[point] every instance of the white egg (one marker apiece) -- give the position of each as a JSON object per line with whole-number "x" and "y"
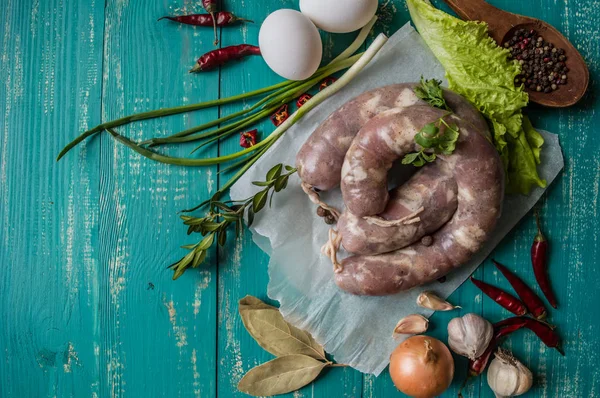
{"x": 339, "y": 16}
{"x": 290, "y": 44}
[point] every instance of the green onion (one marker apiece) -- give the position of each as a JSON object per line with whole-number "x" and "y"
{"x": 365, "y": 58}
{"x": 283, "y": 87}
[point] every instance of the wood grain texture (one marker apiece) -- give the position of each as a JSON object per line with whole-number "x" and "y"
{"x": 88, "y": 306}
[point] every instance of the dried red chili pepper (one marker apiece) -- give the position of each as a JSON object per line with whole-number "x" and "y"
{"x": 224, "y": 18}
{"x": 501, "y": 297}
{"x": 211, "y": 7}
{"x": 539, "y": 260}
{"x": 327, "y": 82}
{"x": 303, "y": 99}
{"x": 280, "y": 115}
{"x": 215, "y": 58}
{"x": 531, "y": 300}
{"x": 542, "y": 330}
{"x": 248, "y": 139}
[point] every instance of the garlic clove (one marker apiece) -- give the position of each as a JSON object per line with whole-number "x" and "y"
{"x": 470, "y": 335}
{"x": 411, "y": 324}
{"x": 434, "y": 302}
{"x": 507, "y": 376}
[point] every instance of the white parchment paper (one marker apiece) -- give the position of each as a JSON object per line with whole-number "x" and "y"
{"x": 356, "y": 330}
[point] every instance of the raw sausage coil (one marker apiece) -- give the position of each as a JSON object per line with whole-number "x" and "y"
{"x": 454, "y": 202}
{"x": 478, "y": 172}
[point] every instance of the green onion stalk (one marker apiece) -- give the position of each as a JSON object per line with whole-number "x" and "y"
{"x": 278, "y": 94}
{"x": 265, "y": 144}
{"x": 267, "y": 102}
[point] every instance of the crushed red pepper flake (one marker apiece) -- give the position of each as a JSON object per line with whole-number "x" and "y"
{"x": 248, "y": 139}
{"x": 280, "y": 115}
{"x": 327, "y": 82}
{"x": 303, "y": 99}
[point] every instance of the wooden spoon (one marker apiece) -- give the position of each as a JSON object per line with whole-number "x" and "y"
{"x": 502, "y": 24}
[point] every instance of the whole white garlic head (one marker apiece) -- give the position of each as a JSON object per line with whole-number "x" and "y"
{"x": 469, "y": 335}
{"x": 507, "y": 376}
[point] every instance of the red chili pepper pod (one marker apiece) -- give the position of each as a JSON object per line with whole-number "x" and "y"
{"x": 501, "y": 297}
{"x": 248, "y": 139}
{"x": 542, "y": 330}
{"x": 224, "y": 18}
{"x": 280, "y": 115}
{"x": 327, "y": 82}
{"x": 215, "y": 58}
{"x": 539, "y": 261}
{"x": 303, "y": 99}
{"x": 531, "y": 300}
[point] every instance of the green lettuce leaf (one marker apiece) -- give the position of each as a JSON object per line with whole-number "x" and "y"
{"x": 479, "y": 70}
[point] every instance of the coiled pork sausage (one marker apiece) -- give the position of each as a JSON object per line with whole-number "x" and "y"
{"x": 478, "y": 172}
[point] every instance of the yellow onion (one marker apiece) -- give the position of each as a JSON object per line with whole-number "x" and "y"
{"x": 422, "y": 367}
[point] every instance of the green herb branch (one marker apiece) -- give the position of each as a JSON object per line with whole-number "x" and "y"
{"x": 433, "y": 142}
{"x": 223, "y": 214}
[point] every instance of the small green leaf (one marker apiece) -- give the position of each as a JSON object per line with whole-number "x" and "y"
{"x": 190, "y": 247}
{"x": 199, "y": 258}
{"x": 290, "y": 168}
{"x": 410, "y": 158}
{"x": 230, "y": 217}
{"x": 431, "y": 92}
{"x": 275, "y": 172}
{"x": 260, "y": 200}
{"x": 281, "y": 183}
{"x": 179, "y": 271}
{"x": 427, "y": 137}
{"x": 419, "y": 162}
{"x": 250, "y": 217}
{"x": 281, "y": 375}
{"x": 428, "y": 157}
{"x": 222, "y": 237}
{"x": 206, "y": 242}
{"x": 211, "y": 226}
{"x": 261, "y": 183}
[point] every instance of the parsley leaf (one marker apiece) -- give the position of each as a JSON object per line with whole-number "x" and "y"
{"x": 431, "y": 92}
{"x": 432, "y": 143}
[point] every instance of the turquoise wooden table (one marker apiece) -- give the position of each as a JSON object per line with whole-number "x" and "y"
{"x": 87, "y": 306}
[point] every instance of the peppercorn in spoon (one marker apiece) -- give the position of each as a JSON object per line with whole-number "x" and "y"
{"x": 554, "y": 72}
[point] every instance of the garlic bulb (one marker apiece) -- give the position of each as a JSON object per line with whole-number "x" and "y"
{"x": 411, "y": 324}
{"x": 434, "y": 302}
{"x": 469, "y": 335}
{"x": 507, "y": 376}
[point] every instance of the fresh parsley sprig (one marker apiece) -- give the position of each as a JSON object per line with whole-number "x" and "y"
{"x": 433, "y": 142}
{"x": 431, "y": 92}
{"x": 221, "y": 215}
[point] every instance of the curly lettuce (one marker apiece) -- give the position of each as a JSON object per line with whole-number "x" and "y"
{"x": 479, "y": 70}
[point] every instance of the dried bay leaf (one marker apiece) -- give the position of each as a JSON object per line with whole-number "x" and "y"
{"x": 281, "y": 375}
{"x": 267, "y": 326}
{"x": 251, "y": 302}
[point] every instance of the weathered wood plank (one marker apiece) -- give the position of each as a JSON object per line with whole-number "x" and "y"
{"x": 159, "y": 336}
{"x": 243, "y": 267}
{"x": 50, "y": 69}
{"x": 83, "y": 239}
